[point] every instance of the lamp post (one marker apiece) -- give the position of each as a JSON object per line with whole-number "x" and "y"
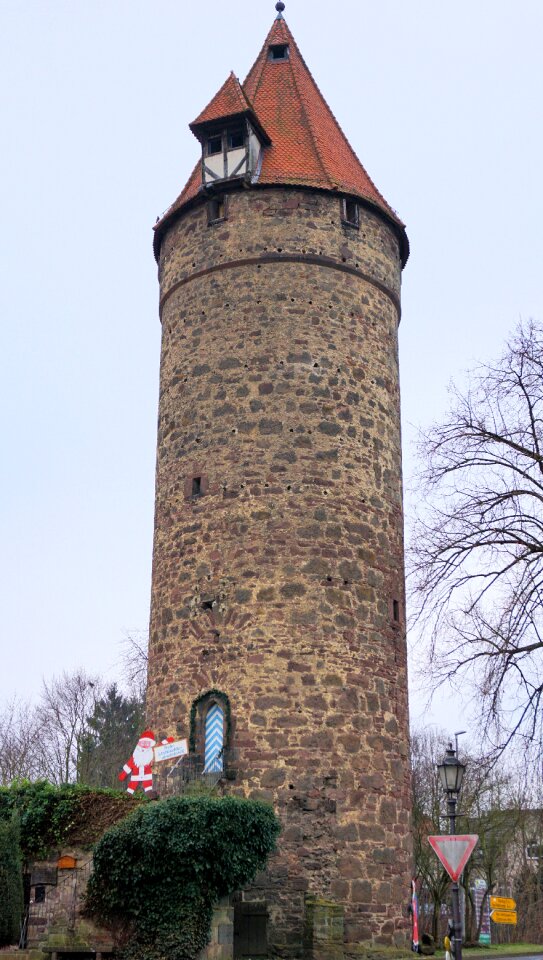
{"x": 451, "y": 774}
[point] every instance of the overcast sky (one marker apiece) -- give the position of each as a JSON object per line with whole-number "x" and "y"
{"x": 442, "y": 103}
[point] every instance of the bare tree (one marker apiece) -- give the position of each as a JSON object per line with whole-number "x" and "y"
{"x": 134, "y": 661}
{"x": 63, "y": 712}
{"x": 492, "y": 804}
{"x": 528, "y": 888}
{"x": 494, "y": 807}
{"x": 427, "y": 749}
{"x": 477, "y": 559}
{"x": 62, "y": 738}
{"x": 21, "y": 744}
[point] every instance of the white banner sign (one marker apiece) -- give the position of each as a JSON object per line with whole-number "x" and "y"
{"x": 168, "y": 751}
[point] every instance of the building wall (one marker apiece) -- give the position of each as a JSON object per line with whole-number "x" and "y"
{"x": 57, "y": 920}
{"x": 283, "y": 584}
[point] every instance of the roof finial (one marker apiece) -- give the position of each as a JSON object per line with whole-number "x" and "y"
{"x": 279, "y": 6}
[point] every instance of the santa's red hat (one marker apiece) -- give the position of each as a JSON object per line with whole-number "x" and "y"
{"x": 148, "y": 735}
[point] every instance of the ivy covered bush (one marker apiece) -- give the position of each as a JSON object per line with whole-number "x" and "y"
{"x": 11, "y": 882}
{"x": 51, "y": 816}
{"x": 158, "y": 873}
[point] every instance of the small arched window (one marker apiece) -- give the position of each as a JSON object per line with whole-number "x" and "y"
{"x": 210, "y": 731}
{"x": 214, "y": 739}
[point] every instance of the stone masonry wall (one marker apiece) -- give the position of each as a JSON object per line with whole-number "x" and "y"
{"x": 58, "y": 922}
{"x": 279, "y": 389}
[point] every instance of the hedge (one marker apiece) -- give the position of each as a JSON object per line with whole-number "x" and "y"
{"x": 158, "y": 873}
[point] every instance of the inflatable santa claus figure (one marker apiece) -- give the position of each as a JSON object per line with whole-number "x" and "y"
{"x": 139, "y": 767}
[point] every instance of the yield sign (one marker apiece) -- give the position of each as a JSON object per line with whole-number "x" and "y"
{"x": 454, "y": 851}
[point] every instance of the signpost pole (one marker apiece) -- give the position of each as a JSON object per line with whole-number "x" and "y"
{"x": 457, "y": 919}
{"x": 454, "y": 852}
{"x": 451, "y": 775}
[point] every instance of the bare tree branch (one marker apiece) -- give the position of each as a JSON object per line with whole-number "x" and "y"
{"x": 66, "y": 703}
{"x": 135, "y": 661}
{"x": 21, "y": 744}
{"x": 477, "y": 558}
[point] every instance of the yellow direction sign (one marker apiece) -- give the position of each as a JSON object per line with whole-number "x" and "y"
{"x": 504, "y": 916}
{"x": 502, "y": 903}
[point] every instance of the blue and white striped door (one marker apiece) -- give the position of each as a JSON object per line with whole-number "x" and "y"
{"x": 214, "y": 739}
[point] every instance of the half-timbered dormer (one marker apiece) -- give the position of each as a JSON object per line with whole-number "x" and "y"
{"x": 231, "y": 135}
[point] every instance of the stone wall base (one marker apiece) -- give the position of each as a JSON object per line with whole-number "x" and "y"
{"x": 221, "y": 944}
{"x": 323, "y": 929}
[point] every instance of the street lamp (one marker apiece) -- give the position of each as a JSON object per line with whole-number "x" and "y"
{"x": 451, "y": 774}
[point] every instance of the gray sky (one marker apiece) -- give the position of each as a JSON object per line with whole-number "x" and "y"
{"x": 442, "y": 103}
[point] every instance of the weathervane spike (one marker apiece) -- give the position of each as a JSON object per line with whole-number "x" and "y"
{"x": 279, "y": 6}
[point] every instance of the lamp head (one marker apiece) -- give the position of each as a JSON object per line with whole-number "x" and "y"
{"x": 451, "y": 772}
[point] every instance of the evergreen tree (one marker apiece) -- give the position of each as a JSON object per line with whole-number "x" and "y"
{"x": 113, "y": 730}
{"x": 11, "y": 882}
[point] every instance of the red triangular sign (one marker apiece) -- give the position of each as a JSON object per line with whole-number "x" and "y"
{"x": 454, "y": 851}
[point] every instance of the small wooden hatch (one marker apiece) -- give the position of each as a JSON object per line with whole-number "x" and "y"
{"x": 66, "y": 863}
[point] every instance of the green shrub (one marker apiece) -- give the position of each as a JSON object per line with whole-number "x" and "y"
{"x": 45, "y": 813}
{"x": 11, "y": 881}
{"x": 158, "y": 873}
{"x": 52, "y": 816}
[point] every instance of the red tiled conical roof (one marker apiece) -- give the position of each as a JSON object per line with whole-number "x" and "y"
{"x": 308, "y": 147}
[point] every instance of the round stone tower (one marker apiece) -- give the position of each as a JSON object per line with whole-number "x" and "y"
{"x": 277, "y": 626}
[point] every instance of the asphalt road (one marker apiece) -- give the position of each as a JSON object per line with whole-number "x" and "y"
{"x": 471, "y": 955}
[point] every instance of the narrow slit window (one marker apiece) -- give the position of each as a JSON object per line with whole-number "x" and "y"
{"x": 214, "y": 145}
{"x": 351, "y": 212}
{"x": 216, "y": 210}
{"x": 39, "y": 896}
{"x": 196, "y": 487}
{"x": 396, "y": 611}
{"x": 279, "y": 51}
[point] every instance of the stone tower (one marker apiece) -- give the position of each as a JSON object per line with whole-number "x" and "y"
{"x": 277, "y": 622}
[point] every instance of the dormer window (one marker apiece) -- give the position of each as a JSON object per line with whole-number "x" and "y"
{"x": 226, "y": 153}
{"x": 214, "y": 145}
{"x": 236, "y": 139}
{"x": 232, "y": 137}
{"x": 278, "y": 51}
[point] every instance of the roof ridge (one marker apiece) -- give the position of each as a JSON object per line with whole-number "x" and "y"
{"x": 306, "y": 112}
{"x": 233, "y": 87}
{"x": 244, "y": 95}
{"x": 259, "y": 60}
